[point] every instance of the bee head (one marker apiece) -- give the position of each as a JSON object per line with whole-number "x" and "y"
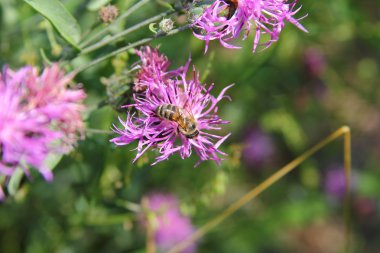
{"x": 192, "y": 126}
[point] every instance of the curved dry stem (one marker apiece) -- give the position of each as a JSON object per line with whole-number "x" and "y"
{"x": 343, "y": 131}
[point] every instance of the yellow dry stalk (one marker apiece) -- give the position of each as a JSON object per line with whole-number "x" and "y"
{"x": 342, "y": 131}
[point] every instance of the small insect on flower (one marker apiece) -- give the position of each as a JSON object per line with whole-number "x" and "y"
{"x": 232, "y": 6}
{"x": 227, "y": 20}
{"x": 187, "y": 125}
{"x": 173, "y": 115}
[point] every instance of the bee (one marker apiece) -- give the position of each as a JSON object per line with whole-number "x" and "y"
{"x": 232, "y": 6}
{"x": 187, "y": 124}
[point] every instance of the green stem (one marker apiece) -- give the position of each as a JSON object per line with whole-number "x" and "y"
{"x": 102, "y": 32}
{"x": 97, "y": 131}
{"x": 132, "y": 45}
{"x": 125, "y": 32}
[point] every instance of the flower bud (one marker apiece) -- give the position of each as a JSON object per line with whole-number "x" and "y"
{"x": 166, "y": 25}
{"x": 108, "y": 13}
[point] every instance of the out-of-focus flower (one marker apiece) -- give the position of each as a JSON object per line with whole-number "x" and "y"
{"x": 38, "y": 115}
{"x": 315, "y": 62}
{"x": 224, "y": 20}
{"x": 364, "y": 208}
{"x": 167, "y": 110}
{"x": 108, "y": 13}
{"x": 258, "y": 148}
{"x": 335, "y": 182}
{"x": 170, "y": 227}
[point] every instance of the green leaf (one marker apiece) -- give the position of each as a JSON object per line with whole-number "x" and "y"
{"x": 152, "y": 28}
{"x": 14, "y": 182}
{"x": 95, "y": 5}
{"x": 52, "y": 160}
{"x": 60, "y": 17}
{"x": 44, "y": 57}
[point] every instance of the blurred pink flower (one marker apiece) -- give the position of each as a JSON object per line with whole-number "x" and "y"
{"x": 226, "y": 19}
{"x": 197, "y": 109}
{"x": 335, "y": 182}
{"x": 315, "y": 62}
{"x": 259, "y": 148}
{"x": 171, "y": 227}
{"x": 38, "y": 115}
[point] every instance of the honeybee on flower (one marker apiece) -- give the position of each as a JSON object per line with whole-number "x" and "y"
{"x": 224, "y": 20}
{"x": 172, "y": 108}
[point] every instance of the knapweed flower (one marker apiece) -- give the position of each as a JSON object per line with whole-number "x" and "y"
{"x": 152, "y": 69}
{"x": 224, "y": 20}
{"x": 174, "y": 115}
{"x": 169, "y": 226}
{"x": 38, "y": 115}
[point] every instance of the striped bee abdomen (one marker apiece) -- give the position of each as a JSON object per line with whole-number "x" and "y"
{"x": 186, "y": 122}
{"x": 168, "y": 111}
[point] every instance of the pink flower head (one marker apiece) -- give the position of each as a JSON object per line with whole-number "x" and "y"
{"x": 152, "y": 69}
{"x": 196, "y": 109}
{"x": 38, "y": 115}
{"x": 226, "y": 19}
{"x": 171, "y": 227}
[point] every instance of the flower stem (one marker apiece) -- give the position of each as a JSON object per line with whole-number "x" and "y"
{"x": 97, "y": 131}
{"x": 125, "y": 32}
{"x": 102, "y": 32}
{"x": 343, "y": 131}
{"x": 129, "y": 46}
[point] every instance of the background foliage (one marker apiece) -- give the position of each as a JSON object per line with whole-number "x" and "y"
{"x": 295, "y": 93}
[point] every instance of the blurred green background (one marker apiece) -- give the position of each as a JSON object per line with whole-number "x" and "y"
{"x": 286, "y": 99}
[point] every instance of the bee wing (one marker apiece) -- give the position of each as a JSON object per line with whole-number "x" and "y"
{"x": 181, "y": 118}
{"x": 189, "y": 114}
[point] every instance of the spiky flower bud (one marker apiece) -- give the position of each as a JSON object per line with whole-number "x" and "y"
{"x": 166, "y": 25}
{"x": 107, "y": 14}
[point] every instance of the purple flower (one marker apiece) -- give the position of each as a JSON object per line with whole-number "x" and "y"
{"x": 258, "y": 148}
{"x": 38, "y": 115}
{"x": 226, "y": 19}
{"x": 166, "y": 110}
{"x": 152, "y": 69}
{"x": 335, "y": 182}
{"x": 170, "y": 226}
{"x": 315, "y": 62}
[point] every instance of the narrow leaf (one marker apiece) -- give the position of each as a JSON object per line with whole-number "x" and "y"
{"x": 52, "y": 160}
{"x": 14, "y": 182}
{"x": 95, "y": 5}
{"x": 60, "y": 17}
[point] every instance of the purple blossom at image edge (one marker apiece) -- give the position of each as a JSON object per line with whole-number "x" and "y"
{"x": 262, "y": 16}
{"x": 39, "y": 115}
